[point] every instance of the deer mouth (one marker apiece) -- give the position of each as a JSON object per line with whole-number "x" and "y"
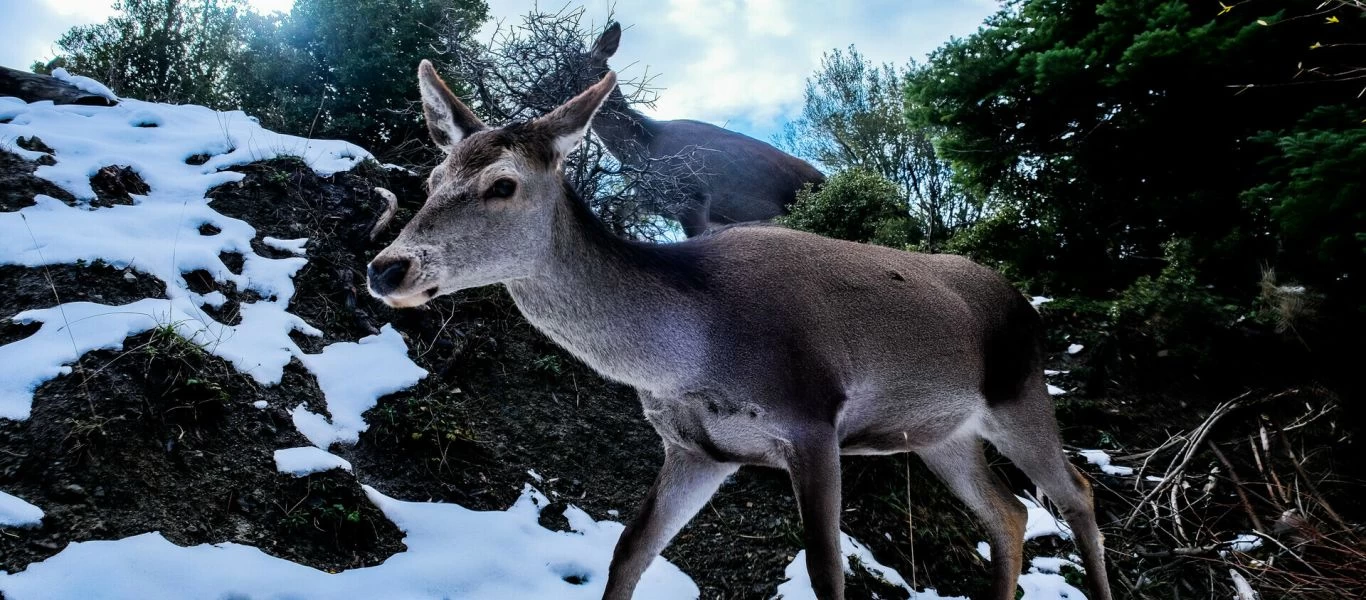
{"x": 411, "y": 300}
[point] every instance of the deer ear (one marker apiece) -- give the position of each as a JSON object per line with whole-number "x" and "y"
{"x": 608, "y": 42}
{"x": 448, "y": 119}
{"x": 569, "y": 123}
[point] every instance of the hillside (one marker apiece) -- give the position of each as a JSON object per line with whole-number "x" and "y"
{"x": 199, "y": 399}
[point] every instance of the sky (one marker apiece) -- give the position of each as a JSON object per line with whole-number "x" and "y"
{"x": 741, "y": 64}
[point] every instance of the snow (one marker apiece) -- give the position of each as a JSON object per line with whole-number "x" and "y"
{"x": 382, "y": 358}
{"x": 1047, "y": 586}
{"x": 1043, "y": 581}
{"x": 1102, "y": 460}
{"x": 1245, "y": 542}
{"x": 1037, "y": 301}
{"x": 1051, "y": 372}
{"x": 291, "y": 246}
{"x": 1054, "y": 390}
{"x": 1042, "y": 523}
{"x": 14, "y": 512}
{"x": 260, "y": 404}
{"x": 798, "y": 583}
{"x": 534, "y": 475}
{"x": 158, "y": 235}
{"x": 85, "y": 84}
{"x": 1074, "y": 348}
{"x": 452, "y": 552}
{"x": 308, "y": 460}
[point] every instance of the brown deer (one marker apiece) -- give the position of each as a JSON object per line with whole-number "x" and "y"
{"x": 752, "y": 345}
{"x": 729, "y": 177}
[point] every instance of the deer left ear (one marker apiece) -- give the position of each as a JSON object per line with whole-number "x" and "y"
{"x": 569, "y": 123}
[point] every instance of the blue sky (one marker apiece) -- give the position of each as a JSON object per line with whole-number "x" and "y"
{"x": 737, "y": 63}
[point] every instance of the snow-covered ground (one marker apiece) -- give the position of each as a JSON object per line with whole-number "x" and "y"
{"x": 308, "y": 460}
{"x": 451, "y": 551}
{"x": 14, "y": 512}
{"x": 1101, "y": 459}
{"x": 1043, "y": 580}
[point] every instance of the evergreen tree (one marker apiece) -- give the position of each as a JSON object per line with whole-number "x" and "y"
{"x": 1107, "y": 129}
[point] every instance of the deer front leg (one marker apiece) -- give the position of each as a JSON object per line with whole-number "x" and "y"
{"x": 684, "y": 484}
{"x": 814, "y": 466}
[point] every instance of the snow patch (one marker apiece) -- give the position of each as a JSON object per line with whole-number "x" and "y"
{"x": 1074, "y": 348}
{"x": 1054, "y": 390}
{"x": 158, "y": 235}
{"x": 1102, "y": 460}
{"x": 1245, "y": 542}
{"x": 85, "y": 84}
{"x": 308, "y": 460}
{"x": 353, "y": 376}
{"x": 1041, "y": 522}
{"x": 1037, "y": 301}
{"x": 17, "y": 513}
{"x": 452, "y": 552}
{"x": 798, "y": 583}
{"x": 291, "y": 246}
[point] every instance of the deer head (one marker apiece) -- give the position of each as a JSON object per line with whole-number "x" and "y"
{"x": 578, "y": 68}
{"x": 490, "y": 204}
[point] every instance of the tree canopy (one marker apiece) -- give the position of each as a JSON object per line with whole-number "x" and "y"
{"x": 333, "y": 68}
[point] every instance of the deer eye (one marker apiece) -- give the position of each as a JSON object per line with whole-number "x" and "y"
{"x": 503, "y": 188}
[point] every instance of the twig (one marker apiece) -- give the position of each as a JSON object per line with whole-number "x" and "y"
{"x": 1238, "y": 487}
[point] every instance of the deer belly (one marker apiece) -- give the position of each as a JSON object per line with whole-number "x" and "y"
{"x": 714, "y": 426}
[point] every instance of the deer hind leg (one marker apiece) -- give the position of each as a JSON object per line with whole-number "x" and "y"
{"x": 683, "y": 486}
{"x": 1026, "y": 432}
{"x": 961, "y": 465}
{"x": 813, "y": 463}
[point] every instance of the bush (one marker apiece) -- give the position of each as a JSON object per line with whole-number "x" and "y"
{"x": 855, "y": 205}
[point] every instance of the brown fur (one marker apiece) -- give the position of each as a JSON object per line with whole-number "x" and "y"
{"x": 753, "y": 346}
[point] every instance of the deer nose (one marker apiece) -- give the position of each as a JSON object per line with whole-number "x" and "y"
{"x": 386, "y": 274}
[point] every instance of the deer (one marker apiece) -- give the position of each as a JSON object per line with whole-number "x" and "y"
{"x": 727, "y": 177}
{"x": 751, "y": 345}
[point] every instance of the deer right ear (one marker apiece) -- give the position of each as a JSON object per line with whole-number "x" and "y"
{"x": 448, "y": 119}
{"x": 608, "y": 42}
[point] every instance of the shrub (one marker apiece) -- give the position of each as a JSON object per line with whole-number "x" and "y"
{"x": 855, "y": 205}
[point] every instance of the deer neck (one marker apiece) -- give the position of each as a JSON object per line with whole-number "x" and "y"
{"x": 630, "y": 311}
{"x": 625, "y": 131}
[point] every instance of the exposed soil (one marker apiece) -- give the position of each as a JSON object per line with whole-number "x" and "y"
{"x": 25, "y": 288}
{"x": 18, "y": 184}
{"x": 162, "y": 436}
